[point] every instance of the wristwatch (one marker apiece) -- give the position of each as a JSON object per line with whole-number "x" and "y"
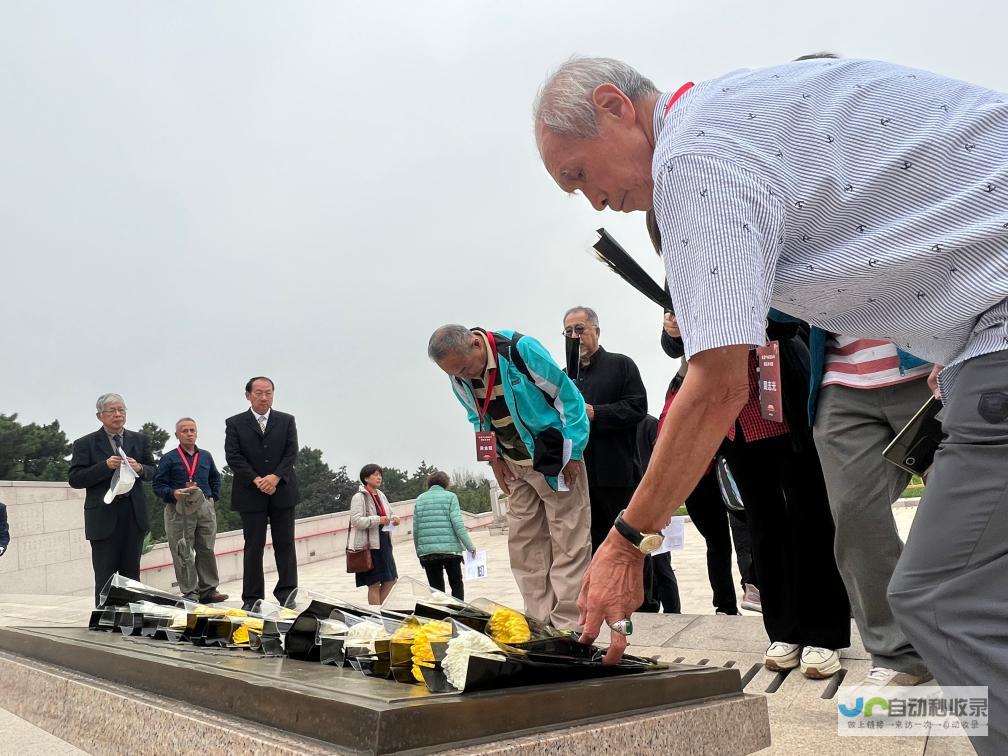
{"x": 647, "y": 543}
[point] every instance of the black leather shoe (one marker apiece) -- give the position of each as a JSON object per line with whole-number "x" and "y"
{"x": 214, "y": 597}
{"x": 247, "y": 606}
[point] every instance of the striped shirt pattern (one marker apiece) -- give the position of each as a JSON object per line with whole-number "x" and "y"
{"x": 865, "y": 363}
{"x": 862, "y": 197}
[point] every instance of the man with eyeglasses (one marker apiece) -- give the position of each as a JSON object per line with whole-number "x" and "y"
{"x": 116, "y": 530}
{"x": 616, "y": 402}
{"x": 261, "y": 447}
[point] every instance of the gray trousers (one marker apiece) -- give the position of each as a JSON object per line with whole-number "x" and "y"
{"x": 950, "y": 589}
{"x": 191, "y": 543}
{"x": 852, "y": 428}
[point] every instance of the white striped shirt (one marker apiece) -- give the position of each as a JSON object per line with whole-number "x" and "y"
{"x": 865, "y": 363}
{"x": 862, "y": 197}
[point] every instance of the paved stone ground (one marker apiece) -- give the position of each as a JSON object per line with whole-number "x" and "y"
{"x": 802, "y": 719}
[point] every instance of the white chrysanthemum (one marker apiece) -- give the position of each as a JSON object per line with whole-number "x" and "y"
{"x": 332, "y": 628}
{"x": 460, "y": 648}
{"x": 365, "y": 634}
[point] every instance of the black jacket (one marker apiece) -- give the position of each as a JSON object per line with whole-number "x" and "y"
{"x": 89, "y": 471}
{"x": 251, "y": 454}
{"x": 611, "y": 383}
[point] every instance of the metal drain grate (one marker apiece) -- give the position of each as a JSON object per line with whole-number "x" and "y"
{"x": 834, "y": 684}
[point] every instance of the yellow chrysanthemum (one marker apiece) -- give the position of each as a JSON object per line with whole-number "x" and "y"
{"x": 508, "y": 626}
{"x": 240, "y": 634}
{"x": 436, "y": 631}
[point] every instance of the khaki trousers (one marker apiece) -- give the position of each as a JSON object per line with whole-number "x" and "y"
{"x": 549, "y": 541}
{"x": 191, "y": 543}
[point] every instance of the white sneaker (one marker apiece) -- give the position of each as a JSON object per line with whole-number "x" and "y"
{"x": 781, "y": 656}
{"x": 885, "y": 677}
{"x": 751, "y": 599}
{"x": 819, "y": 663}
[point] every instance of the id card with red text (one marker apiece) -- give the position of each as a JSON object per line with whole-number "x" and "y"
{"x": 768, "y": 363}
{"x": 486, "y": 446}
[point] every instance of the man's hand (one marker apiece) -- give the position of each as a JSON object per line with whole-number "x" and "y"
{"x": 267, "y": 484}
{"x": 502, "y": 474}
{"x": 671, "y": 325}
{"x": 571, "y": 471}
{"x": 612, "y": 589}
{"x": 933, "y": 381}
{"x": 182, "y": 493}
{"x": 113, "y": 462}
{"x": 591, "y": 411}
{"x": 137, "y": 467}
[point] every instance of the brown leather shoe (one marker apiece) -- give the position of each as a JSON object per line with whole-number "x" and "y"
{"x": 214, "y": 597}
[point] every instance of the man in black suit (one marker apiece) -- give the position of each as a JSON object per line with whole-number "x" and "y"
{"x": 116, "y": 531}
{"x": 261, "y": 446}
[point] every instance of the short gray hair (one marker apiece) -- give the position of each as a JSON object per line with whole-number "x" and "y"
{"x": 448, "y": 339}
{"x": 182, "y": 420}
{"x": 106, "y": 399}
{"x": 564, "y": 103}
{"x": 588, "y": 311}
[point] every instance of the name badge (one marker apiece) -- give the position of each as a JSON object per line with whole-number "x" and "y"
{"x": 768, "y": 364}
{"x": 486, "y": 446}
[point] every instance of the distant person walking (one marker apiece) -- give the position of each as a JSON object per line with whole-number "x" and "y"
{"x": 440, "y": 536}
{"x": 4, "y": 529}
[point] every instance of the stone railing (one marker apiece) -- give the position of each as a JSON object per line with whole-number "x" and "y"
{"x": 49, "y": 555}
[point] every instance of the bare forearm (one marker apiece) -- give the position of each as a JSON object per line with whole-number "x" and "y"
{"x": 694, "y": 427}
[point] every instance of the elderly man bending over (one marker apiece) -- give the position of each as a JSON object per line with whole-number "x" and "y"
{"x": 532, "y": 428}
{"x": 863, "y": 198}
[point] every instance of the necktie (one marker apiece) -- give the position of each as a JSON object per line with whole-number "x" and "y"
{"x": 262, "y": 424}
{"x": 118, "y": 442}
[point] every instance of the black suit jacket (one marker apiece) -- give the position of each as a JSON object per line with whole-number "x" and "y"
{"x": 251, "y": 454}
{"x": 611, "y": 383}
{"x": 89, "y": 471}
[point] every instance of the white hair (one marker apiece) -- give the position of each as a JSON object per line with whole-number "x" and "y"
{"x": 449, "y": 339}
{"x": 564, "y": 103}
{"x": 106, "y": 399}
{"x": 183, "y": 420}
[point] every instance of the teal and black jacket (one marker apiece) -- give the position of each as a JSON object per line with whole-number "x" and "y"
{"x": 547, "y": 408}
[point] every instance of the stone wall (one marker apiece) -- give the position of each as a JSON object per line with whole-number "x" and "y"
{"x": 49, "y": 555}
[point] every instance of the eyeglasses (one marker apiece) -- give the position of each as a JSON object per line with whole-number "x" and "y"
{"x": 114, "y": 411}
{"x": 577, "y": 330}
{"x": 262, "y": 394}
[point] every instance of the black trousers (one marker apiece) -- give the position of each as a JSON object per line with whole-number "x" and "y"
{"x": 660, "y": 584}
{"x": 120, "y": 552}
{"x": 606, "y": 504}
{"x": 743, "y": 548}
{"x": 787, "y": 509}
{"x": 708, "y": 513}
{"x": 281, "y": 525}
{"x": 437, "y": 567}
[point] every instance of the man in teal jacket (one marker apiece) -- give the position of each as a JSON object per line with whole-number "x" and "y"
{"x": 532, "y": 428}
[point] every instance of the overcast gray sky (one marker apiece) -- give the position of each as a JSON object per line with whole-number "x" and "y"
{"x": 195, "y": 192}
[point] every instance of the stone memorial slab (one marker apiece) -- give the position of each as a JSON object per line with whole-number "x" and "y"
{"x": 351, "y": 711}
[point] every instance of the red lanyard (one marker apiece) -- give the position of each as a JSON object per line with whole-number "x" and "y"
{"x": 481, "y": 411}
{"x": 195, "y": 461}
{"x": 678, "y": 93}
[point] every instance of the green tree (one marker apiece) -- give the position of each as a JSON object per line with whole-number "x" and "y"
{"x": 227, "y": 519}
{"x": 32, "y": 451}
{"x": 158, "y": 437}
